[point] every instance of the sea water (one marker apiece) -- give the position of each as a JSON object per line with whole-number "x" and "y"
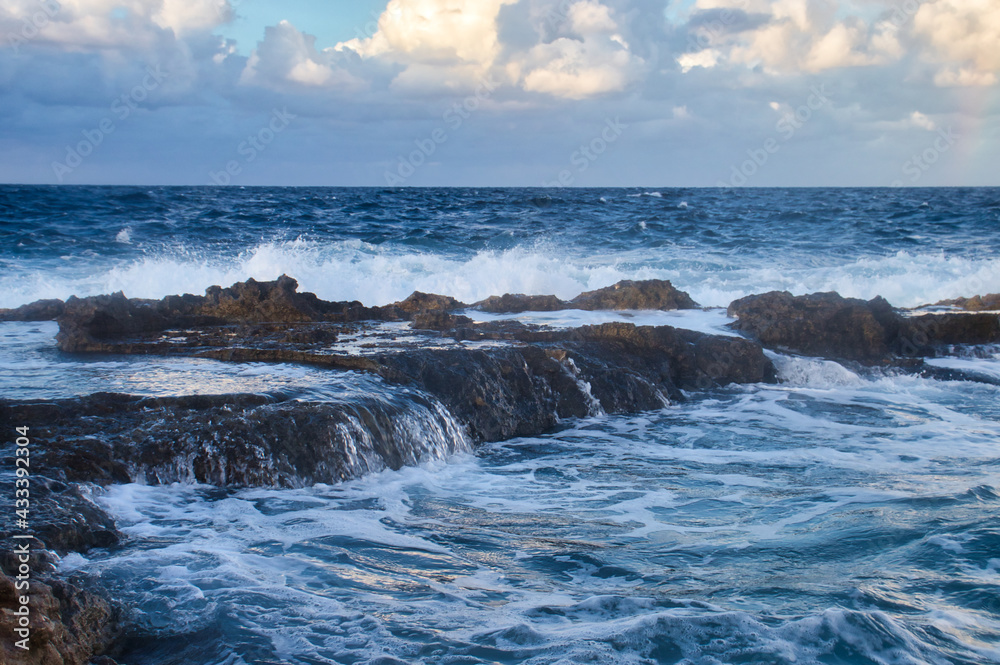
{"x": 842, "y": 516}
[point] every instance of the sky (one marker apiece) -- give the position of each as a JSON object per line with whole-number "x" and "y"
{"x": 645, "y": 93}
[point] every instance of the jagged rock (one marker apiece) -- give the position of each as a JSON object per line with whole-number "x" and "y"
{"x": 829, "y": 325}
{"x": 92, "y": 324}
{"x": 648, "y": 294}
{"x": 40, "y": 310}
{"x": 69, "y": 625}
{"x": 516, "y": 303}
{"x": 253, "y": 301}
{"x": 423, "y": 302}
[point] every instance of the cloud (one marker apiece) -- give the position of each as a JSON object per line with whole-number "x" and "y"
{"x": 289, "y": 57}
{"x": 434, "y": 32}
{"x": 966, "y": 35}
{"x": 111, "y": 24}
{"x": 786, "y": 37}
{"x": 920, "y": 120}
{"x": 573, "y": 50}
{"x": 592, "y": 59}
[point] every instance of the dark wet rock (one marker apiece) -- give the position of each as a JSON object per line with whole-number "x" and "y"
{"x": 69, "y": 624}
{"x": 648, "y": 294}
{"x": 511, "y": 303}
{"x": 225, "y": 440}
{"x": 66, "y": 518}
{"x": 928, "y": 334}
{"x": 517, "y": 388}
{"x": 988, "y": 302}
{"x": 820, "y": 324}
{"x": 831, "y": 326}
{"x": 40, "y": 310}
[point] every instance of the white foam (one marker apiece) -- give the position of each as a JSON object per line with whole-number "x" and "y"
{"x": 710, "y": 321}
{"x": 376, "y": 275}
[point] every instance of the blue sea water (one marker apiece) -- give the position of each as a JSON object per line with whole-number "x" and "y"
{"x": 842, "y": 516}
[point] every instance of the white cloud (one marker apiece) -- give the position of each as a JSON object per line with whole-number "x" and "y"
{"x": 965, "y": 33}
{"x": 451, "y": 45}
{"x": 112, "y": 24}
{"x": 434, "y": 31}
{"x": 707, "y": 58}
{"x": 796, "y": 36}
{"x": 920, "y": 120}
{"x": 288, "y": 56}
{"x": 593, "y": 59}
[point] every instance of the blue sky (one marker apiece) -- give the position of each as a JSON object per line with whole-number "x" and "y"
{"x": 332, "y": 21}
{"x": 500, "y": 92}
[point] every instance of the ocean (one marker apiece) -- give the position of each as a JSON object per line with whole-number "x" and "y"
{"x": 843, "y": 516}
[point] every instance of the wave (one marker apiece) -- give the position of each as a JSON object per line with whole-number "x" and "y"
{"x": 379, "y": 274}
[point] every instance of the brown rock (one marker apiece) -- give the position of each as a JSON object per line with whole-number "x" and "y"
{"x": 423, "y": 302}
{"x": 648, "y": 294}
{"x": 828, "y": 325}
{"x": 510, "y": 303}
{"x": 69, "y": 626}
{"x": 989, "y": 302}
{"x": 40, "y": 310}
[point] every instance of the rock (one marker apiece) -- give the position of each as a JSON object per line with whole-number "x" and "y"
{"x": 989, "y": 302}
{"x": 423, "y": 302}
{"x": 69, "y": 625}
{"x": 40, "y": 310}
{"x": 821, "y": 324}
{"x": 517, "y": 303}
{"x": 225, "y": 440}
{"x": 261, "y": 302}
{"x": 648, "y": 294}
{"x": 66, "y": 519}
{"x": 94, "y": 324}
{"x": 926, "y": 334}
{"x": 438, "y": 320}
{"x": 871, "y": 332}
